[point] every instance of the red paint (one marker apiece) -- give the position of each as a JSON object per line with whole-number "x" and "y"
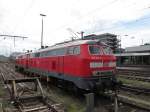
{"x": 75, "y": 65}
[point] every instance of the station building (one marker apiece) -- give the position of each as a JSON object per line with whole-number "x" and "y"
{"x": 108, "y": 38}
{"x": 137, "y": 55}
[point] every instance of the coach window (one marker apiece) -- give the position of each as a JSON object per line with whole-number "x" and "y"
{"x": 37, "y": 54}
{"x": 70, "y": 50}
{"x": 49, "y": 53}
{"x": 60, "y": 51}
{"x": 32, "y": 55}
{"x": 53, "y": 52}
{"x": 43, "y": 54}
{"x": 76, "y": 50}
{"x": 63, "y": 51}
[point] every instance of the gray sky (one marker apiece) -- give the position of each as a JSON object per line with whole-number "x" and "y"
{"x": 22, "y": 17}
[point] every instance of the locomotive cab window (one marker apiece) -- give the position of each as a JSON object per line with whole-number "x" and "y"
{"x": 107, "y": 50}
{"x": 70, "y": 50}
{"x": 37, "y": 54}
{"x": 95, "y": 49}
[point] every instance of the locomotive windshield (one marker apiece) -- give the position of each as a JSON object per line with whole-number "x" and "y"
{"x": 94, "y": 49}
{"x": 107, "y": 50}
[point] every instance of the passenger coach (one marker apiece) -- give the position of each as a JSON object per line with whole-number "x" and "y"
{"x": 84, "y": 64}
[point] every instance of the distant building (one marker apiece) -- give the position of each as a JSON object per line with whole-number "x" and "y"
{"x": 136, "y": 55}
{"x": 108, "y": 38}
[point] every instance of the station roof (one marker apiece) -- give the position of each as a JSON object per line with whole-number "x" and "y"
{"x": 142, "y": 48}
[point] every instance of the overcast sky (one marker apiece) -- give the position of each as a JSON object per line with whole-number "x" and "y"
{"x": 121, "y": 17}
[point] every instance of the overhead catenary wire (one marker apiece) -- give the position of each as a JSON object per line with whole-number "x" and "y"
{"x": 122, "y": 23}
{"x": 135, "y": 21}
{"x": 13, "y": 36}
{"x": 24, "y": 14}
{"x": 17, "y": 24}
{"x": 99, "y": 9}
{"x": 87, "y": 14}
{"x": 93, "y": 11}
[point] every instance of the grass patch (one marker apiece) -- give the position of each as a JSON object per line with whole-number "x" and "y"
{"x": 71, "y": 103}
{"x": 5, "y": 104}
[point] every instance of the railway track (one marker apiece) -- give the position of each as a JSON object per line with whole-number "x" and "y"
{"x": 139, "y": 78}
{"x": 137, "y": 90}
{"x": 132, "y": 72}
{"x": 131, "y": 94}
{"x": 126, "y": 100}
{"x": 26, "y": 93}
{"x": 122, "y": 98}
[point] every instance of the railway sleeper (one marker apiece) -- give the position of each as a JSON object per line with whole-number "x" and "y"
{"x": 18, "y": 98}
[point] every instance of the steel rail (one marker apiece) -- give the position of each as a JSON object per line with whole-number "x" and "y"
{"x": 9, "y": 75}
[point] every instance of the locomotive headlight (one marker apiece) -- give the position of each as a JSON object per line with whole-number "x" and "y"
{"x": 96, "y": 64}
{"x": 112, "y": 64}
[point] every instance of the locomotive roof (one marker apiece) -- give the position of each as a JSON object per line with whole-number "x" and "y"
{"x": 67, "y": 44}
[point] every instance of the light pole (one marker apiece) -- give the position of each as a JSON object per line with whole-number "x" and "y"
{"x": 120, "y": 42}
{"x": 42, "y": 15}
{"x": 120, "y": 48}
{"x": 131, "y": 37}
{"x": 120, "y": 36}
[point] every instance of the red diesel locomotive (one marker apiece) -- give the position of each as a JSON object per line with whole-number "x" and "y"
{"x": 85, "y": 64}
